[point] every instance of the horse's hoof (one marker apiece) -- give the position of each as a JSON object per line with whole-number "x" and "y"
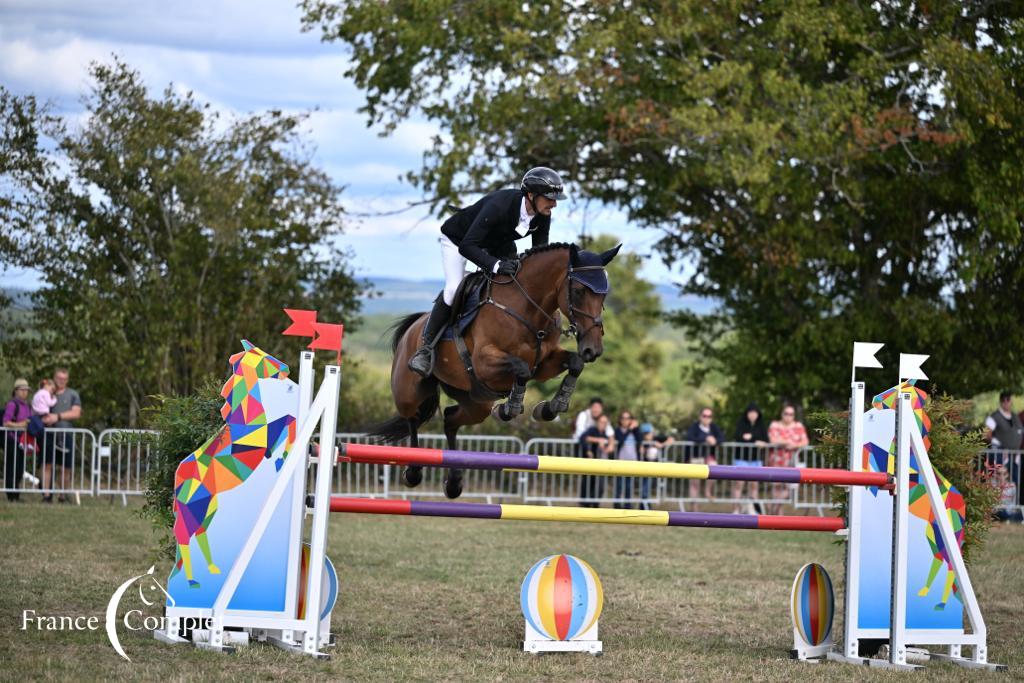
{"x": 193, "y": 584}
{"x": 412, "y": 476}
{"x": 503, "y": 412}
{"x": 214, "y": 569}
{"x": 543, "y": 412}
{"x": 453, "y": 486}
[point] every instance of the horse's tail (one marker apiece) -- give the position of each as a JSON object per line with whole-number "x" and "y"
{"x": 397, "y": 428}
{"x": 400, "y": 327}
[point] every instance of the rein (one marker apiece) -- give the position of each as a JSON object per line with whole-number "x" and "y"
{"x": 540, "y": 335}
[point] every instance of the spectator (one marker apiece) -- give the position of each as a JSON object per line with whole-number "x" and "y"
{"x": 596, "y": 442}
{"x": 652, "y": 445}
{"x": 789, "y": 436}
{"x": 16, "y": 414}
{"x": 753, "y": 435}
{"x": 628, "y": 444}
{"x": 59, "y": 447}
{"x": 1003, "y": 427}
{"x": 587, "y": 417}
{"x": 1008, "y": 509}
{"x": 1003, "y": 431}
{"x": 705, "y": 436}
{"x": 44, "y": 399}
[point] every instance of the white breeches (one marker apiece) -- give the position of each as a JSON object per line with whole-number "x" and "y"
{"x": 454, "y": 265}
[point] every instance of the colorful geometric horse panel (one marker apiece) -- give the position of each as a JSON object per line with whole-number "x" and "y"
{"x": 928, "y": 553}
{"x": 259, "y": 415}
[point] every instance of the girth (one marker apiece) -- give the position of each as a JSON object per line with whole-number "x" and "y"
{"x": 478, "y": 388}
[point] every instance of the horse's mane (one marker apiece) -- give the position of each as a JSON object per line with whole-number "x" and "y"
{"x": 543, "y": 248}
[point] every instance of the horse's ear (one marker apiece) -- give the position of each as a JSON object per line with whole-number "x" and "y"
{"x": 248, "y": 345}
{"x": 607, "y": 256}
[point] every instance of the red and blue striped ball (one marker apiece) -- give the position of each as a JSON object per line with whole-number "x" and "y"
{"x": 813, "y": 603}
{"x": 561, "y": 597}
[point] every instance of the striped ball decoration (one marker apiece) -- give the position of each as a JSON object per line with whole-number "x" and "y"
{"x": 813, "y": 605}
{"x": 561, "y": 597}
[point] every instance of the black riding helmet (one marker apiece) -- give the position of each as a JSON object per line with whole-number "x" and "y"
{"x": 544, "y": 182}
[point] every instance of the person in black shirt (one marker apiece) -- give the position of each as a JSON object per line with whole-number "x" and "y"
{"x": 596, "y": 443}
{"x": 753, "y": 434}
{"x": 485, "y": 234}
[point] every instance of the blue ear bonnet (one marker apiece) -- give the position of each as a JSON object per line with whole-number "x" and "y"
{"x": 588, "y": 270}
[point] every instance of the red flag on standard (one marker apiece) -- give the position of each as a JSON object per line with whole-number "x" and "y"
{"x": 328, "y": 337}
{"x": 303, "y": 323}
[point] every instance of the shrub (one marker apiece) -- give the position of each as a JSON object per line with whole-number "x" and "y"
{"x": 953, "y": 452}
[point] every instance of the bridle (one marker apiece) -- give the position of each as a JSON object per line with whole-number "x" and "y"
{"x": 540, "y": 335}
{"x": 597, "y": 320}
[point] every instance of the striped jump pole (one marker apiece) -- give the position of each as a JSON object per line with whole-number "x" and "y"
{"x": 482, "y": 460}
{"x": 537, "y": 513}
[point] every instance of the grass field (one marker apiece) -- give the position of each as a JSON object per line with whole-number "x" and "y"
{"x": 437, "y": 599}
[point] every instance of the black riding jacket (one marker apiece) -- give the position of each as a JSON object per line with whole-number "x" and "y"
{"x": 485, "y": 232}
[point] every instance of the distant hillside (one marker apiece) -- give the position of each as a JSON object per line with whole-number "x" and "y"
{"x": 394, "y": 296}
{"x": 20, "y": 298}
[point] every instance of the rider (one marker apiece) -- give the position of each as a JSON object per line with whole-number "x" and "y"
{"x": 485, "y": 233}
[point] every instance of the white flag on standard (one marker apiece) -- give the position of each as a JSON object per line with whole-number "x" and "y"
{"x": 910, "y": 366}
{"x": 864, "y": 357}
{"x": 864, "y": 354}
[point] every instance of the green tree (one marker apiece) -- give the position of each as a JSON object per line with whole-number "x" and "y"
{"x": 165, "y": 234}
{"x": 830, "y": 171}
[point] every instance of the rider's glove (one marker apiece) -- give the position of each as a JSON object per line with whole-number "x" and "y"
{"x": 509, "y": 267}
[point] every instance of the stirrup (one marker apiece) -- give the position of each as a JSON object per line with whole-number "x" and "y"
{"x": 422, "y": 361}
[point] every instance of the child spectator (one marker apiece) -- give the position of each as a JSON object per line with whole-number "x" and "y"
{"x": 652, "y": 445}
{"x": 44, "y": 399}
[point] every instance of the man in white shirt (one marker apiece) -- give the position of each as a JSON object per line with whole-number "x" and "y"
{"x": 587, "y": 418}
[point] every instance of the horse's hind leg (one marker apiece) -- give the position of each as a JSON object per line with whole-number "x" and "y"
{"x": 465, "y": 413}
{"x": 412, "y": 475}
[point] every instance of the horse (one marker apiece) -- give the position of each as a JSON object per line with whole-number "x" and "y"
{"x": 513, "y": 339}
{"x": 230, "y": 456}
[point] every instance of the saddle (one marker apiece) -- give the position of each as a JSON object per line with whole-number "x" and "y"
{"x": 465, "y": 306}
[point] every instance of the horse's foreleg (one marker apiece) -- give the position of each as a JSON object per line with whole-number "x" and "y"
{"x": 513, "y": 407}
{"x": 554, "y": 364}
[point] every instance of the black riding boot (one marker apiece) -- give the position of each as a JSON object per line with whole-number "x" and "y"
{"x": 423, "y": 361}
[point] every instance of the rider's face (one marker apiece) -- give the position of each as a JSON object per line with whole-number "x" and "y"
{"x": 544, "y": 205}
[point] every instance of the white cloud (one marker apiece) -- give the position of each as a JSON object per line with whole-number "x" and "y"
{"x": 241, "y": 57}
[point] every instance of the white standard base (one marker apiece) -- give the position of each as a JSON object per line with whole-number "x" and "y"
{"x": 805, "y": 652}
{"x": 536, "y": 643}
{"x": 873, "y": 663}
{"x": 968, "y": 663}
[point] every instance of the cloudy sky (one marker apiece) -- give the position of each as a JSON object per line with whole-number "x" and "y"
{"x": 250, "y": 56}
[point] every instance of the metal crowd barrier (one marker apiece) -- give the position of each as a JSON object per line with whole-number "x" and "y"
{"x": 1005, "y": 469}
{"x": 59, "y": 464}
{"x": 74, "y": 462}
{"x": 122, "y": 462}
